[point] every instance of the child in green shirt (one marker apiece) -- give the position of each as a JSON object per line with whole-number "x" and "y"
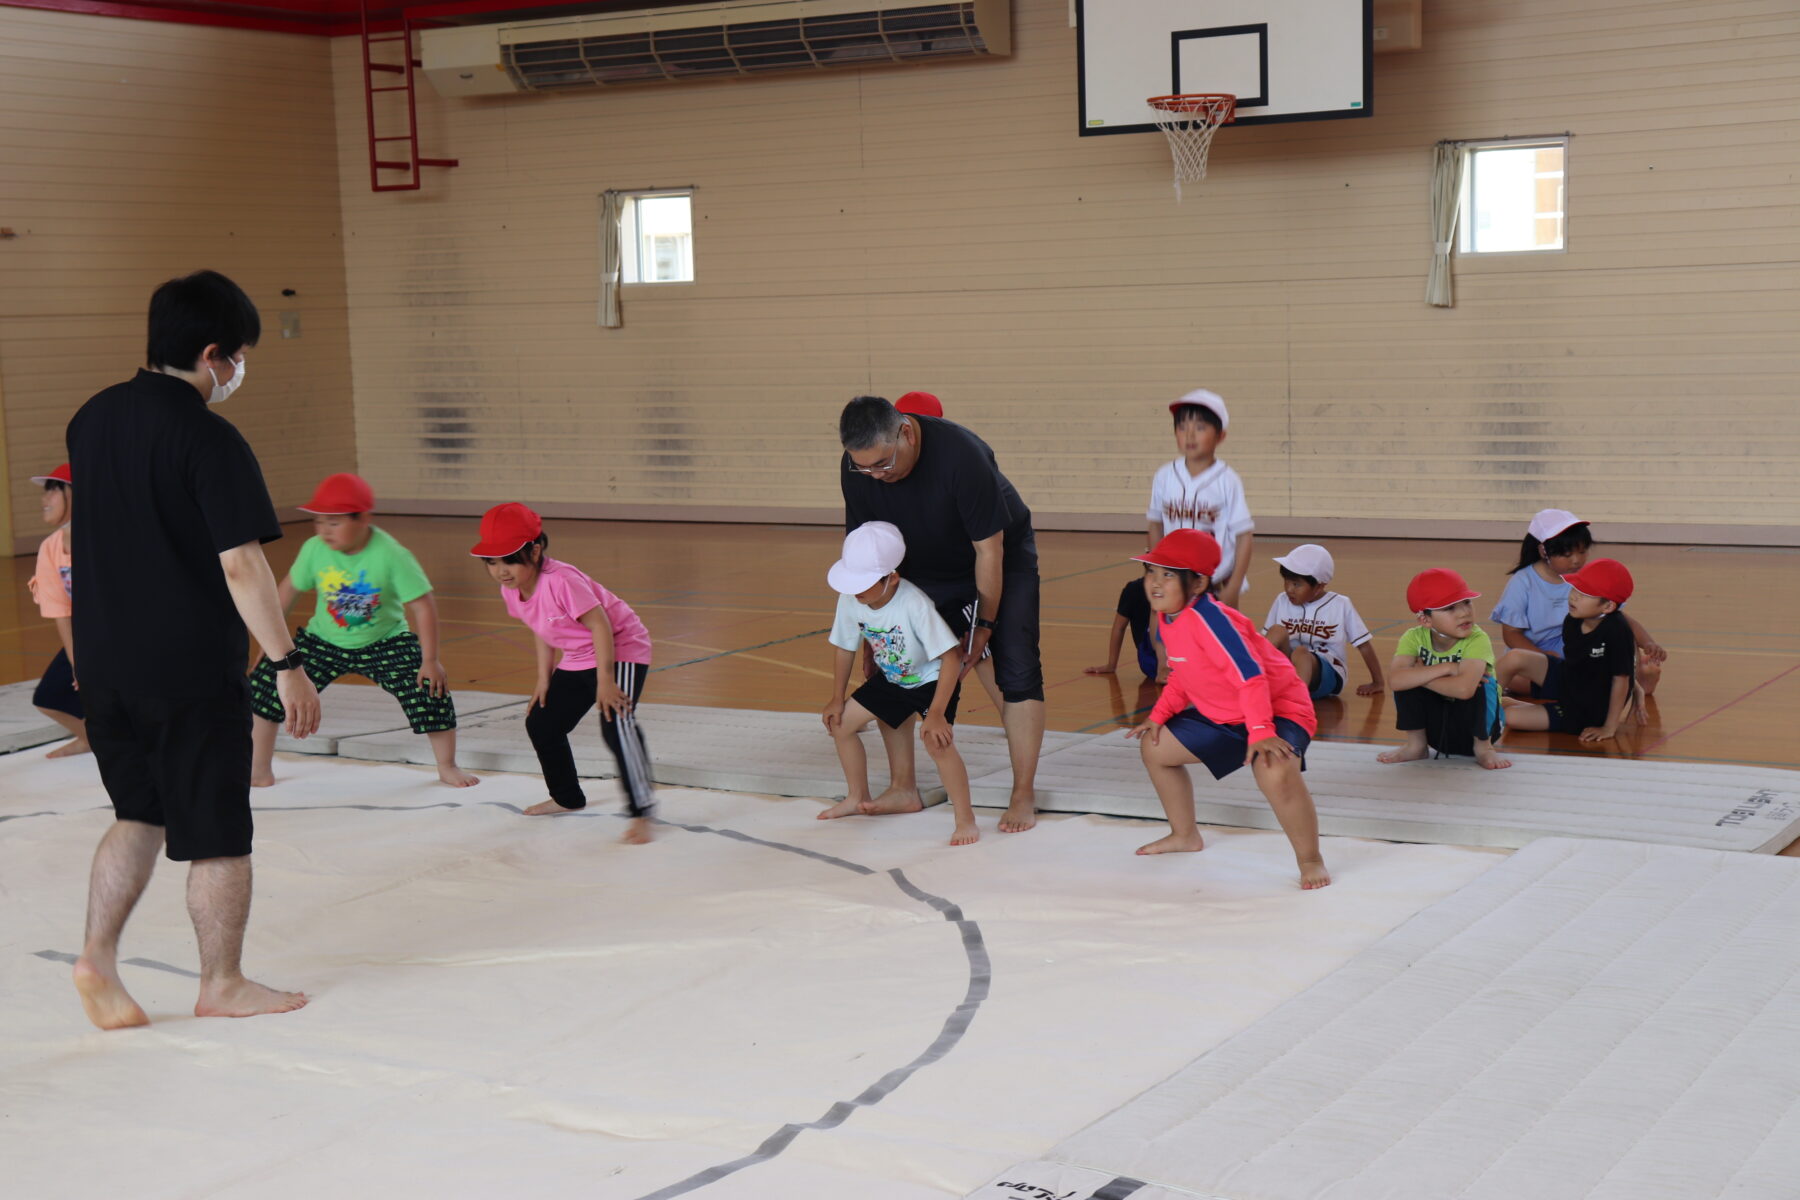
{"x": 368, "y": 586}
{"x": 1446, "y": 697}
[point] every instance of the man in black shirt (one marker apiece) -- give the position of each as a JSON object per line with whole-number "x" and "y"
{"x": 970, "y": 547}
{"x": 169, "y": 555}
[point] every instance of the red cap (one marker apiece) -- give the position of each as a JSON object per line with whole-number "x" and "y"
{"x": 1603, "y": 579}
{"x": 1439, "y": 587}
{"x": 507, "y": 529}
{"x": 1186, "y": 550}
{"x": 922, "y": 404}
{"x": 61, "y": 475}
{"x": 341, "y": 496}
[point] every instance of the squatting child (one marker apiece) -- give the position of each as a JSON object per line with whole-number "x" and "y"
{"x": 1315, "y": 626}
{"x": 56, "y": 695}
{"x": 591, "y": 650}
{"x": 1231, "y": 699}
{"x": 1599, "y": 653}
{"x": 375, "y": 617}
{"x": 918, "y": 660}
{"x": 1197, "y": 491}
{"x": 1446, "y": 697}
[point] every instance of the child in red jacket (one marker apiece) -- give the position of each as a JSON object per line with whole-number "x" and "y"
{"x": 1231, "y": 699}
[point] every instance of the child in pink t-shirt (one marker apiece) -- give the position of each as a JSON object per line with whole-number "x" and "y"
{"x": 56, "y": 695}
{"x": 591, "y": 648}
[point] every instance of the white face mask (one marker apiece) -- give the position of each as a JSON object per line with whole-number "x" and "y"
{"x": 222, "y": 391}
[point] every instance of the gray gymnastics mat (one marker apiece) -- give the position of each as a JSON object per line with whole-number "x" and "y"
{"x": 1451, "y": 801}
{"x": 740, "y": 750}
{"x": 1586, "y": 1021}
{"x": 349, "y": 710}
{"x": 22, "y": 726}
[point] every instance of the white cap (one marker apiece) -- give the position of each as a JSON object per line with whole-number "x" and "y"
{"x": 1206, "y": 399}
{"x": 872, "y": 552}
{"x": 1552, "y": 521}
{"x": 1309, "y": 560}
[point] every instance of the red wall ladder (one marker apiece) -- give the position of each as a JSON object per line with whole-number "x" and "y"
{"x": 395, "y": 152}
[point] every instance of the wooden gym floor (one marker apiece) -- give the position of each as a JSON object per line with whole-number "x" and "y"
{"x": 739, "y": 615}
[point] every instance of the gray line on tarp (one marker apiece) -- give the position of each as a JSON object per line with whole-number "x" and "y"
{"x": 61, "y": 957}
{"x": 1118, "y": 1189}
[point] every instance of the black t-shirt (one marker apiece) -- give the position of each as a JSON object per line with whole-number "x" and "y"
{"x": 954, "y": 497}
{"x": 166, "y": 487}
{"x": 1134, "y": 606}
{"x": 1591, "y": 661}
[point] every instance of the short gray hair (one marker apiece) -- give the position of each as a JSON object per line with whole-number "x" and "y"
{"x": 867, "y": 422}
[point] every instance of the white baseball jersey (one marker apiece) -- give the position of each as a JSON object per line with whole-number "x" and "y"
{"x": 1329, "y": 625}
{"x": 1212, "y": 502}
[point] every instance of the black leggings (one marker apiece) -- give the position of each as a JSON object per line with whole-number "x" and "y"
{"x": 571, "y": 695}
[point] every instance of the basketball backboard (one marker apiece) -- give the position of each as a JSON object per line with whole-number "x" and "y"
{"x": 1285, "y": 60}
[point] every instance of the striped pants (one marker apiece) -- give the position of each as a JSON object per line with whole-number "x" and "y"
{"x": 571, "y": 696}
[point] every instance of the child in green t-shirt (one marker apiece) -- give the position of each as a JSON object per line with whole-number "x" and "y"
{"x": 368, "y": 585}
{"x": 1446, "y": 697}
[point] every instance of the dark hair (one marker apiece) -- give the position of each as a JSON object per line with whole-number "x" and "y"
{"x": 1575, "y": 537}
{"x": 868, "y": 421}
{"x": 55, "y": 485}
{"x": 523, "y": 557}
{"x": 1296, "y": 577}
{"x": 196, "y": 311}
{"x": 1191, "y": 412}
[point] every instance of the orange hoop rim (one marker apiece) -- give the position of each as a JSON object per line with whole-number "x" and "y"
{"x": 1195, "y": 102}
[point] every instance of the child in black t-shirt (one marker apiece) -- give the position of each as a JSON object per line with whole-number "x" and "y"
{"x": 1131, "y": 613}
{"x": 1599, "y": 654}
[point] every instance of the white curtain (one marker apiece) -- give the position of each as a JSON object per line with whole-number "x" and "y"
{"x": 1449, "y": 164}
{"x": 611, "y": 206}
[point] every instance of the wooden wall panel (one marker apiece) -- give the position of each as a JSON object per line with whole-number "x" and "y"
{"x": 943, "y": 228}
{"x": 131, "y": 152}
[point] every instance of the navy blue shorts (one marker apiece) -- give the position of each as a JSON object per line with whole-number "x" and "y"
{"x": 1551, "y": 688}
{"x": 1223, "y": 748}
{"x": 56, "y": 690}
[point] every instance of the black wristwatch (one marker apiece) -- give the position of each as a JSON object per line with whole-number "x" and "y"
{"x": 295, "y": 657}
{"x": 983, "y": 623}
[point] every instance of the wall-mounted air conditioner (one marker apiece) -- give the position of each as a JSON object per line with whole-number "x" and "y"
{"x": 735, "y": 37}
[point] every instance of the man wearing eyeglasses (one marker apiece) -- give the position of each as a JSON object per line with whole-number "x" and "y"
{"x": 970, "y": 547}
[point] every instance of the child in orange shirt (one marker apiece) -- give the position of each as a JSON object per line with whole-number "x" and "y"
{"x": 56, "y": 696}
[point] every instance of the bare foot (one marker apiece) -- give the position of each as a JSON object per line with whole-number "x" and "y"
{"x": 892, "y": 801}
{"x": 244, "y": 998}
{"x": 1019, "y": 816}
{"x": 637, "y": 832}
{"x": 1174, "y": 844}
{"x": 1403, "y": 754}
{"x": 1313, "y": 875}
{"x": 965, "y": 834}
{"x": 843, "y": 808}
{"x": 108, "y": 1004}
{"x": 547, "y": 808}
{"x": 71, "y": 749}
{"x": 456, "y": 777}
{"x": 266, "y": 779}
{"x": 1490, "y": 759}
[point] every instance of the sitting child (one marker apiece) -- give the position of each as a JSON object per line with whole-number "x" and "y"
{"x": 1132, "y": 613}
{"x": 1314, "y": 626}
{"x": 1445, "y": 695}
{"x": 1231, "y": 699}
{"x": 1598, "y": 654}
{"x": 56, "y": 696}
{"x": 919, "y": 659}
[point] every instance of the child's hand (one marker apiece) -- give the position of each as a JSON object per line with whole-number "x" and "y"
{"x": 1599, "y": 733}
{"x": 1271, "y": 749}
{"x": 539, "y": 695}
{"x": 1652, "y": 652}
{"x": 833, "y": 715}
{"x": 1149, "y": 730}
{"x": 936, "y": 731}
{"x": 613, "y": 702}
{"x": 1108, "y": 669}
{"x": 1371, "y": 688}
{"x": 433, "y": 678}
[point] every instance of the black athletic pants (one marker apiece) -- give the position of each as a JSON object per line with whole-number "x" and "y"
{"x": 1451, "y": 726}
{"x": 571, "y": 695}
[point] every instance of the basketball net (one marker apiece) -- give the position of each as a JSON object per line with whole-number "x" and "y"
{"x": 1189, "y": 123}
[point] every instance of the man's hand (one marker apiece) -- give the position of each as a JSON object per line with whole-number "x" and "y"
{"x": 434, "y": 679}
{"x": 1271, "y": 750}
{"x": 978, "y": 642}
{"x": 301, "y": 700}
{"x": 936, "y": 731}
{"x": 833, "y": 715}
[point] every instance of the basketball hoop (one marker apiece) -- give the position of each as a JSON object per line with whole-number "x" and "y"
{"x": 1189, "y": 122}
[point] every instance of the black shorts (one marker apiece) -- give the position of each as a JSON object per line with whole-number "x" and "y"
{"x": 182, "y": 763}
{"x": 894, "y": 705}
{"x": 1572, "y": 718}
{"x": 56, "y": 690}
{"x": 1018, "y": 667}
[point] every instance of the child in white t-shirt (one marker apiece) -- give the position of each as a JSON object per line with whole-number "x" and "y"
{"x": 918, "y": 660}
{"x": 1315, "y": 627}
{"x": 1197, "y": 491}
